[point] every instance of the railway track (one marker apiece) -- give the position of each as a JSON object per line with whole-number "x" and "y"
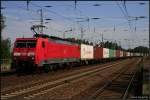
{"x": 48, "y": 85}
{"x": 118, "y": 86}
{"x": 75, "y": 87}
{"x": 32, "y": 81}
{"x": 17, "y": 82}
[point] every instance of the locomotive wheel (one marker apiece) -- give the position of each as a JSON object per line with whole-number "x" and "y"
{"x": 12, "y": 66}
{"x": 55, "y": 67}
{"x": 17, "y": 69}
{"x": 47, "y": 68}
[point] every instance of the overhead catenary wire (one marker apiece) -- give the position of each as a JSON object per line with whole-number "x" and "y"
{"x": 71, "y": 19}
{"x": 67, "y": 18}
{"x": 125, "y": 8}
{"x": 55, "y": 13}
{"x": 101, "y": 4}
{"x": 20, "y": 7}
{"x": 126, "y": 16}
{"x": 24, "y": 9}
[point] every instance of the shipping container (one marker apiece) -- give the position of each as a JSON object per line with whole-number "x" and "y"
{"x": 117, "y": 53}
{"x": 111, "y": 53}
{"x": 87, "y": 52}
{"x": 105, "y": 53}
{"x": 114, "y": 53}
{"x": 134, "y": 54}
{"x": 124, "y": 54}
{"x": 98, "y": 52}
{"x": 131, "y": 54}
{"x": 137, "y": 54}
{"x": 128, "y": 54}
{"x": 121, "y": 54}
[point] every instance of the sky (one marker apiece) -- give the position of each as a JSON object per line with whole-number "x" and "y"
{"x": 112, "y": 23}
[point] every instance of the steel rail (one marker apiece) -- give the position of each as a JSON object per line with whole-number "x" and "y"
{"x": 53, "y": 83}
{"x": 99, "y": 91}
{"x": 47, "y": 90}
{"x": 73, "y": 73}
{"x": 129, "y": 85}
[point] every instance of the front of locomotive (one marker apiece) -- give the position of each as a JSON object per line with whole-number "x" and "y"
{"x": 24, "y": 54}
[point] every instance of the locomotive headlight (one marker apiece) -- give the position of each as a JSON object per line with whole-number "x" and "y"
{"x": 31, "y": 54}
{"x": 17, "y": 54}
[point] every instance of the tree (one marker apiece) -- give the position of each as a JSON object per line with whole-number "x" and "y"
{"x": 141, "y": 49}
{"x": 2, "y": 22}
{"x": 5, "y": 43}
{"x": 5, "y": 48}
{"x": 111, "y": 45}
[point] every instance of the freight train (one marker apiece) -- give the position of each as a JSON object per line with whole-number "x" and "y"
{"x": 48, "y": 53}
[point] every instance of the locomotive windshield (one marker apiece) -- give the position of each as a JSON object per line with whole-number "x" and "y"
{"x": 25, "y": 44}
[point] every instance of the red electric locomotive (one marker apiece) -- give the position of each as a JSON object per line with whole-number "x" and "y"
{"x": 46, "y": 53}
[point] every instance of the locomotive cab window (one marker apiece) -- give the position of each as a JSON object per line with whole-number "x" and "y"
{"x": 43, "y": 44}
{"x": 25, "y": 44}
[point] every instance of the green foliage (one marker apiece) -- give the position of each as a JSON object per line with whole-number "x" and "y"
{"x": 2, "y": 22}
{"x": 140, "y": 49}
{"x": 5, "y": 43}
{"x": 5, "y": 48}
{"x": 111, "y": 45}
